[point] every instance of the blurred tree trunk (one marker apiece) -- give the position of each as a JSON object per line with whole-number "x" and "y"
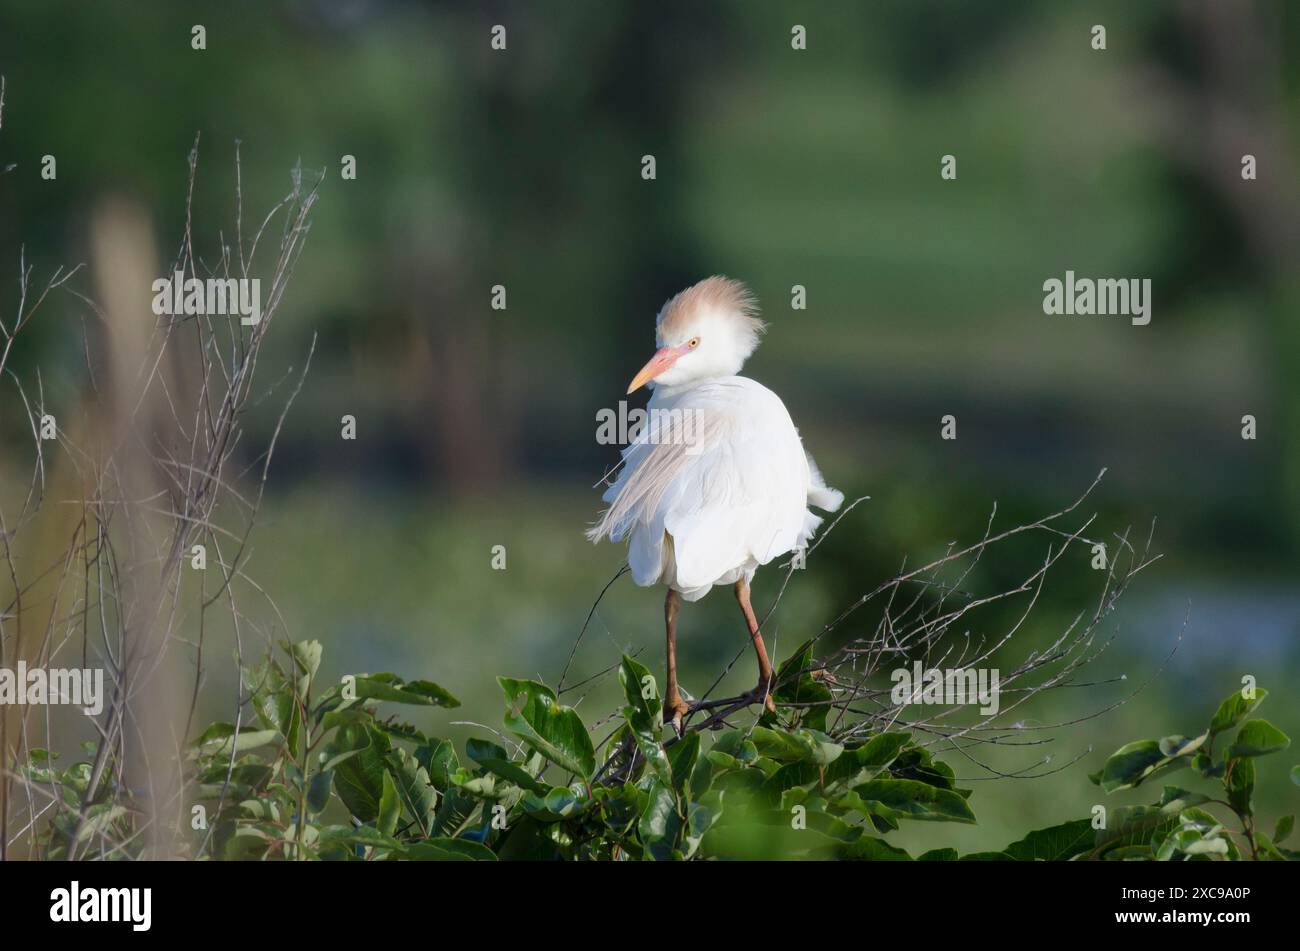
{"x": 152, "y": 711}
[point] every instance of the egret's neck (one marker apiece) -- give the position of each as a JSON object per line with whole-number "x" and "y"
{"x": 664, "y": 393}
{"x": 667, "y": 394}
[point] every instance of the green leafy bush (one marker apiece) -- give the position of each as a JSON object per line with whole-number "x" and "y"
{"x": 324, "y": 775}
{"x": 1181, "y": 825}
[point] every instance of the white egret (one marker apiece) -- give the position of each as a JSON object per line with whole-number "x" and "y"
{"x": 717, "y": 482}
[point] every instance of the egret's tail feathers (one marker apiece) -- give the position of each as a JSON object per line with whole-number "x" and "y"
{"x": 819, "y": 493}
{"x": 826, "y": 498}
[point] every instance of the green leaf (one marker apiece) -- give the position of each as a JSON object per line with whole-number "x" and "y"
{"x": 390, "y": 687}
{"x": 1204, "y": 764}
{"x": 938, "y": 855}
{"x": 390, "y": 807}
{"x": 439, "y": 761}
{"x": 413, "y": 787}
{"x": 736, "y": 745}
{"x": 246, "y": 778}
{"x": 247, "y": 842}
{"x": 797, "y": 685}
{"x": 278, "y": 705}
{"x": 780, "y": 745}
{"x": 359, "y": 779}
{"x": 1235, "y": 709}
{"x": 363, "y": 836}
{"x": 1172, "y": 746}
{"x": 1240, "y": 782}
{"x": 527, "y": 839}
{"x": 350, "y": 716}
{"x": 318, "y": 791}
{"x": 1133, "y": 826}
{"x": 1053, "y": 844}
{"x": 1126, "y": 765}
{"x": 403, "y": 732}
{"x": 1258, "y": 738}
{"x": 621, "y": 806}
{"x": 660, "y": 827}
{"x": 496, "y": 761}
{"x": 243, "y": 742}
{"x": 917, "y": 763}
{"x": 700, "y": 817}
{"x": 1295, "y": 774}
{"x": 872, "y": 849}
{"x": 454, "y": 809}
{"x": 449, "y": 850}
{"x": 216, "y": 731}
{"x": 1282, "y": 831}
{"x": 882, "y": 749}
{"x": 1197, "y": 834}
{"x": 644, "y": 716}
{"x": 480, "y": 786}
{"x": 799, "y": 776}
{"x": 1269, "y": 848}
{"x": 558, "y": 802}
{"x": 479, "y": 749}
{"x": 306, "y": 657}
{"x": 1137, "y": 762}
{"x": 1175, "y": 799}
{"x": 910, "y": 799}
{"x": 554, "y": 730}
{"x": 682, "y": 758}
{"x": 866, "y": 762}
{"x": 640, "y": 689}
{"x": 787, "y": 746}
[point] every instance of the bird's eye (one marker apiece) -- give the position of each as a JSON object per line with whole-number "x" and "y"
{"x": 693, "y": 342}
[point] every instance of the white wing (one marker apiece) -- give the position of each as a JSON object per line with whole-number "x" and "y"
{"x": 721, "y": 471}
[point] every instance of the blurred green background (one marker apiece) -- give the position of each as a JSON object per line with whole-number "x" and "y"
{"x": 779, "y": 167}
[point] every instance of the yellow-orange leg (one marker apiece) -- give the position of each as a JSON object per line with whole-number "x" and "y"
{"x": 765, "y": 673}
{"x": 674, "y": 707}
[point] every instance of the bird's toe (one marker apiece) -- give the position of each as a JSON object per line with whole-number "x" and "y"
{"x": 675, "y": 710}
{"x": 762, "y": 694}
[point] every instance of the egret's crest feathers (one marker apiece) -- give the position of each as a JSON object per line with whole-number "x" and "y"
{"x": 714, "y": 297}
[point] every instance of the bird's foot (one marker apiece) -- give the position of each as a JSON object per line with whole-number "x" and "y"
{"x": 675, "y": 711}
{"x": 763, "y": 694}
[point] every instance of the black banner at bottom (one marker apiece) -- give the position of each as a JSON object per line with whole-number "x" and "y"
{"x": 366, "y": 900}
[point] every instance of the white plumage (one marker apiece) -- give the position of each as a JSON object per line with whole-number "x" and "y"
{"x": 717, "y": 483}
{"x": 710, "y": 508}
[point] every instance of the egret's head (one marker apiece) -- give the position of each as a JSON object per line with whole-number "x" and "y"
{"x": 707, "y": 331}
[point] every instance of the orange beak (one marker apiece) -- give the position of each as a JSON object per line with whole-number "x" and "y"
{"x": 664, "y": 358}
